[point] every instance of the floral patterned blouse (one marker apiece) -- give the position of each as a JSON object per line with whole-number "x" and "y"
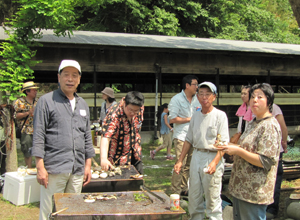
{"x": 125, "y": 138}
{"x": 251, "y": 183}
{"x": 21, "y": 105}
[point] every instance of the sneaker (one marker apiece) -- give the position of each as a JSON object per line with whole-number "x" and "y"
{"x": 170, "y": 158}
{"x": 152, "y": 154}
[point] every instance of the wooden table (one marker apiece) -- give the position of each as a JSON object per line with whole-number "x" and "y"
{"x": 124, "y": 207}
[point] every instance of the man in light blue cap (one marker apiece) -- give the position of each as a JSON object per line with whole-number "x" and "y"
{"x": 207, "y": 165}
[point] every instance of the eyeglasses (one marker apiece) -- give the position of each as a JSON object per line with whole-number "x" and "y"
{"x": 194, "y": 84}
{"x": 206, "y": 95}
{"x": 133, "y": 111}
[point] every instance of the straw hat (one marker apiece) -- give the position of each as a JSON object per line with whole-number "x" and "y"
{"x": 29, "y": 85}
{"x": 109, "y": 92}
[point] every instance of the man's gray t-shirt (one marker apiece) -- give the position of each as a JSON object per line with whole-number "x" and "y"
{"x": 204, "y": 128}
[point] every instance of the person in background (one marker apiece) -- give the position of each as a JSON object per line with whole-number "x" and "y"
{"x": 24, "y": 108}
{"x": 256, "y": 156}
{"x": 121, "y": 141}
{"x": 109, "y": 98}
{"x": 272, "y": 209}
{"x": 62, "y": 139}
{"x": 165, "y": 133}
{"x": 245, "y": 116}
{"x": 181, "y": 108}
{"x": 244, "y": 112}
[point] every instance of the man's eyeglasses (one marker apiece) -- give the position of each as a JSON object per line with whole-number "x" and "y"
{"x": 194, "y": 84}
{"x": 206, "y": 95}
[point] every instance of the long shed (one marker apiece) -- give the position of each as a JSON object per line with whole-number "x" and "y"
{"x": 150, "y": 63}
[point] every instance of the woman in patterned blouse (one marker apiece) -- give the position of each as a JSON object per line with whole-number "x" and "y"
{"x": 256, "y": 157}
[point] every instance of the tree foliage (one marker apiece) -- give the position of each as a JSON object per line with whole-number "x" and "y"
{"x": 257, "y": 20}
{"x": 23, "y": 28}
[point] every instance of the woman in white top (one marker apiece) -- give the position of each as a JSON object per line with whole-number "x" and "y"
{"x": 109, "y": 97}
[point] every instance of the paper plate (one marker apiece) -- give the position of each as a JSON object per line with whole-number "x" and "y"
{"x": 32, "y": 171}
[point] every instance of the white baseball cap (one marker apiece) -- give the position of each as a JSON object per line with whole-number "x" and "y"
{"x": 212, "y": 86}
{"x": 69, "y": 63}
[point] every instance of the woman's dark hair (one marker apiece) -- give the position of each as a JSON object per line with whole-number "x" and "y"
{"x": 161, "y": 109}
{"x": 134, "y": 98}
{"x": 267, "y": 90}
{"x": 163, "y": 106}
{"x": 110, "y": 100}
{"x": 188, "y": 79}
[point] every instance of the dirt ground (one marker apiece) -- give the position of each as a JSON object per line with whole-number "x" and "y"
{"x": 285, "y": 194}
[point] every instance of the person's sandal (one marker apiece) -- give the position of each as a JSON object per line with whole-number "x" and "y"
{"x": 152, "y": 154}
{"x": 170, "y": 158}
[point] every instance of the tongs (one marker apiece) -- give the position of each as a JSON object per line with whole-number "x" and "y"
{"x": 145, "y": 189}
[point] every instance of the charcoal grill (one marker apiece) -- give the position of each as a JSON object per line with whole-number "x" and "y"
{"x": 116, "y": 183}
{"x": 124, "y": 207}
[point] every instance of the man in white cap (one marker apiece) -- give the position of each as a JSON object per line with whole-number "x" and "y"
{"x": 207, "y": 164}
{"x": 62, "y": 141}
{"x": 24, "y": 108}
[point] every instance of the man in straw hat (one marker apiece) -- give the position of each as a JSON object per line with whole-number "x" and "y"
{"x": 62, "y": 139}
{"x": 24, "y": 108}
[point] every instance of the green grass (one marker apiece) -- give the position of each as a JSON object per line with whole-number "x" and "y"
{"x": 293, "y": 152}
{"x": 158, "y": 172}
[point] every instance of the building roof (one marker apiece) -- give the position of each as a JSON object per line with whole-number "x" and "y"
{"x": 167, "y": 42}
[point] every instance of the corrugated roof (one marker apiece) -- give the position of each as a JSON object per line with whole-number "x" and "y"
{"x": 158, "y": 41}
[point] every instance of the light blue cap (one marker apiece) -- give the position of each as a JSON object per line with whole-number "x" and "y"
{"x": 212, "y": 86}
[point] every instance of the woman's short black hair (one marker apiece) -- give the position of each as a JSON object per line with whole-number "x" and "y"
{"x": 267, "y": 90}
{"x": 134, "y": 98}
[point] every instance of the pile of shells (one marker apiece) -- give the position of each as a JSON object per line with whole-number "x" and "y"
{"x": 99, "y": 173}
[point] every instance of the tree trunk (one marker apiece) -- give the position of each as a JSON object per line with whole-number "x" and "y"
{"x": 296, "y": 9}
{"x": 12, "y": 157}
{"x": 7, "y": 122}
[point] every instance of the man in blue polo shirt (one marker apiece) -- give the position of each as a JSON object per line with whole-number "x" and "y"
{"x": 181, "y": 108}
